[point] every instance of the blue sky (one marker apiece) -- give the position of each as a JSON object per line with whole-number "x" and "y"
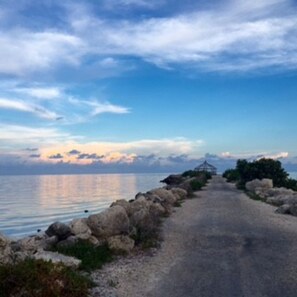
{"x": 143, "y": 86}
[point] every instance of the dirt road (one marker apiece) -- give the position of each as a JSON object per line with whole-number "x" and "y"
{"x": 221, "y": 244}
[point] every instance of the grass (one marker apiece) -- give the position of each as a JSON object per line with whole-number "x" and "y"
{"x": 196, "y": 185}
{"x": 92, "y": 257}
{"x": 253, "y": 196}
{"x": 37, "y": 278}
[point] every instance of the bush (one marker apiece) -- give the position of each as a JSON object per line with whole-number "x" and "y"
{"x": 41, "y": 279}
{"x": 264, "y": 168}
{"x": 92, "y": 257}
{"x": 196, "y": 185}
{"x": 147, "y": 233}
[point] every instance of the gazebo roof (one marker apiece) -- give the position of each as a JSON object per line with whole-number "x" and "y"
{"x": 205, "y": 166}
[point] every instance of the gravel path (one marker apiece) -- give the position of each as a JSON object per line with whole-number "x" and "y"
{"x": 220, "y": 244}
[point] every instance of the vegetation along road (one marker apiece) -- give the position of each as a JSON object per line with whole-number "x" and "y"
{"x": 222, "y": 244}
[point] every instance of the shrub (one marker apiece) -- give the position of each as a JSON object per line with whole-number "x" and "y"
{"x": 147, "y": 233}
{"x": 42, "y": 279}
{"x": 196, "y": 185}
{"x": 264, "y": 168}
{"x": 92, "y": 257}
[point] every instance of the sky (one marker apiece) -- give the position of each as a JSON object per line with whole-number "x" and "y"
{"x": 146, "y": 85}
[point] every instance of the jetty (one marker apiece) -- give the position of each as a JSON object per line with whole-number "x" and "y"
{"x": 221, "y": 244}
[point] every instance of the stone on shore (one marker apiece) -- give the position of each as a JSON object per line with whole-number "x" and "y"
{"x": 284, "y": 209}
{"x": 167, "y": 195}
{"x": 6, "y": 252}
{"x": 56, "y": 258}
{"x": 120, "y": 244}
{"x": 61, "y": 230}
{"x": 256, "y": 184}
{"x": 112, "y": 221}
{"x": 173, "y": 179}
{"x": 181, "y": 194}
{"x": 80, "y": 228}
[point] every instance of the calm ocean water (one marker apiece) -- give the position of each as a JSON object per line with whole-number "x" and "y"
{"x": 28, "y": 203}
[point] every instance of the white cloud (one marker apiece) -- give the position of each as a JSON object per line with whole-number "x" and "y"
{"x": 40, "y": 92}
{"x": 237, "y": 36}
{"x": 39, "y": 111}
{"x": 31, "y": 136}
{"x": 24, "y": 52}
{"x": 107, "y": 107}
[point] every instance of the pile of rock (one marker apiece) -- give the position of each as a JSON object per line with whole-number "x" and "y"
{"x": 284, "y": 199}
{"x": 117, "y": 226}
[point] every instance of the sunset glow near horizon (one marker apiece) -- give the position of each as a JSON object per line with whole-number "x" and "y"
{"x": 146, "y": 85}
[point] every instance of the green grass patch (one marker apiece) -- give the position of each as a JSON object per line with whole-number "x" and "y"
{"x": 253, "y": 196}
{"x": 177, "y": 204}
{"x": 38, "y": 278}
{"x": 92, "y": 257}
{"x": 196, "y": 185}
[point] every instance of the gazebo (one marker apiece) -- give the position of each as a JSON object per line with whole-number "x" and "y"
{"x": 205, "y": 166}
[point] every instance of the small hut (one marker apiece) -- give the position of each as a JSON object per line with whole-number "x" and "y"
{"x": 205, "y": 166}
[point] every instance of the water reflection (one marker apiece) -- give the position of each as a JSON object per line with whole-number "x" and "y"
{"x": 28, "y": 203}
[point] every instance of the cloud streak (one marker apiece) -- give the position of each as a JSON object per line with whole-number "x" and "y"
{"x": 22, "y": 106}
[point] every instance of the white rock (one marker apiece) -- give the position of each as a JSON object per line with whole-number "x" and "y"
{"x": 57, "y": 258}
{"x": 120, "y": 244}
{"x": 256, "y": 184}
{"x": 112, "y": 221}
{"x": 80, "y": 228}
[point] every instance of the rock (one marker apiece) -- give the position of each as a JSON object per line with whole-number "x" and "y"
{"x": 284, "y": 209}
{"x": 173, "y": 179}
{"x": 186, "y": 185}
{"x": 29, "y": 244}
{"x": 293, "y": 210}
{"x": 61, "y": 230}
{"x": 279, "y": 192}
{"x": 120, "y": 244}
{"x": 69, "y": 241}
{"x": 276, "y": 201}
{"x": 164, "y": 194}
{"x": 6, "y": 253}
{"x": 138, "y": 204}
{"x": 140, "y": 218}
{"x": 255, "y": 184}
{"x": 157, "y": 210}
{"x": 112, "y": 221}
{"x": 181, "y": 194}
{"x": 122, "y": 202}
{"x": 80, "y": 228}
{"x": 93, "y": 240}
{"x": 57, "y": 258}
{"x": 280, "y": 200}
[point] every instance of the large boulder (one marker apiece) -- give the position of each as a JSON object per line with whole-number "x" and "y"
{"x": 280, "y": 200}
{"x": 61, "y": 230}
{"x": 80, "y": 228}
{"x": 31, "y": 244}
{"x": 57, "y": 258}
{"x": 68, "y": 242}
{"x": 6, "y": 253}
{"x": 284, "y": 209}
{"x": 187, "y": 185}
{"x": 138, "y": 204}
{"x": 173, "y": 179}
{"x": 274, "y": 192}
{"x": 112, "y": 221}
{"x": 157, "y": 210}
{"x": 293, "y": 210}
{"x": 121, "y": 202}
{"x": 181, "y": 194}
{"x": 167, "y": 195}
{"x": 120, "y": 244}
{"x": 256, "y": 184}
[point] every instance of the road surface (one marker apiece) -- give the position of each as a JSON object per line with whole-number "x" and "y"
{"x": 231, "y": 246}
